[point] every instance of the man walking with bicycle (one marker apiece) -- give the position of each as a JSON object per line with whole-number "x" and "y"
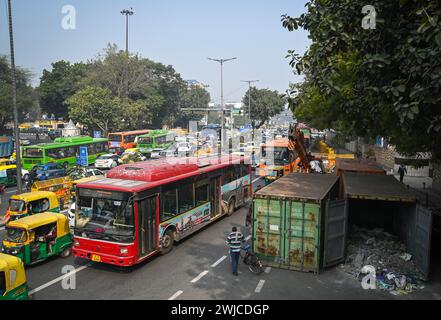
{"x": 234, "y": 241}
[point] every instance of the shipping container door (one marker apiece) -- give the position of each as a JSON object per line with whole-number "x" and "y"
{"x": 336, "y": 220}
{"x": 423, "y": 233}
{"x": 268, "y": 230}
{"x": 302, "y": 236}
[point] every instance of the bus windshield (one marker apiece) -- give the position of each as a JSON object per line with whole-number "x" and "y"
{"x": 105, "y": 219}
{"x": 32, "y": 153}
{"x": 280, "y": 154}
{"x": 16, "y": 235}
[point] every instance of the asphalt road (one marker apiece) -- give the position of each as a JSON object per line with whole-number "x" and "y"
{"x": 198, "y": 268}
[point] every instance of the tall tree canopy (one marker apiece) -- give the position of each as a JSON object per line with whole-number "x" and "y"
{"x": 26, "y": 97}
{"x": 265, "y": 103}
{"x": 95, "y": 108}
{"x": 146, "y": 94}
{"x": 58, "y": 84}
{"x": 377, "y": 82}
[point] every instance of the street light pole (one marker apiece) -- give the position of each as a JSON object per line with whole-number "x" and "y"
{"x": 14, "y": 101}
{"x": 249, "y": 115}
{"x": 127, "y": 13}
{"x": 222, "y": 61}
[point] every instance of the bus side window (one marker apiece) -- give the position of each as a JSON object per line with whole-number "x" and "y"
{"x": 168, "y": 204}
{"x": 244, "y": 170}
{"x": 201, "y": 194}
{"x": 186, "y": 198}
{"x": 2, "y": 283}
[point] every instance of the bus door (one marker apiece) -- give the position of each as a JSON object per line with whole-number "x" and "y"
{"x": 215, "y": 199}
{"x": 147, "y": 233}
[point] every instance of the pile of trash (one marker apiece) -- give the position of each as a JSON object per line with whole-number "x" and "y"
{"x": 381, "y": 255}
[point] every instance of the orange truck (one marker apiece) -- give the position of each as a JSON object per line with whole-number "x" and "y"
{"x": 273, "y": 168}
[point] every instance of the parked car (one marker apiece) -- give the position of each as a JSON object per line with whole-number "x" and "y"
{"x": 184, "y": 147}
{"x": 78, "y": 172}
{"x": 156, "y": 153}
{"x": 169, "y": 152}
{"x": 49, "y": 171}
{"x": 107, "y": 161}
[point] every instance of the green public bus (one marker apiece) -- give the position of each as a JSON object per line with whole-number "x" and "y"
{"x": 63, "y": 150}
{"x": 155, "y": 139}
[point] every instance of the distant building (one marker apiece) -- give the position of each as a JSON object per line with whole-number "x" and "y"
{"x": 195, "y": 83}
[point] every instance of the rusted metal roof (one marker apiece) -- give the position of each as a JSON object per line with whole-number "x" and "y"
{"x": 375, "y": 187}
{"x": 358, "y": 165}
{"x": 307, "y": 186}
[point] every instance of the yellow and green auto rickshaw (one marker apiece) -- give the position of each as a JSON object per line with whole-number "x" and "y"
{"x": 36, "y": 238}
{"x": 13, "y": 285}
{"x": 26, "y": 204}
{"x": 8, "y": 175}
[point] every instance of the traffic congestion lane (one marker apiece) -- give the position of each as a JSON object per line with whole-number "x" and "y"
{"x": 101, "y": 278}
{"x": 158, "y": 278}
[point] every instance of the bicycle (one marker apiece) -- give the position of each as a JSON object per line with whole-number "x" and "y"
{"x": 251, "y": 260}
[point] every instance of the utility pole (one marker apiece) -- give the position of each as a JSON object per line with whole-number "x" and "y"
{"x": 222, "y": 61}
{"x": 127, "y": 13}
{"x": 249, "y": 115}
{"x": 14, "y": 101}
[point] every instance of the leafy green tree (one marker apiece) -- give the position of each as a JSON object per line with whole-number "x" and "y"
{"x": 95, "y": 108}
{"x": 378, "y": 82}
{"x": 132, "y": 78}
{"x": 27, "y": 103}
{"x": 58, "y": 84}
{"x": 193, "y": 97}
{"x": 265, "y": 104}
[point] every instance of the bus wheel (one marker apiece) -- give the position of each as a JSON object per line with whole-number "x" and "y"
{"x": 231, "y": 207}
{"x": 66, "y": 253}
{"x": 167, "y": 242}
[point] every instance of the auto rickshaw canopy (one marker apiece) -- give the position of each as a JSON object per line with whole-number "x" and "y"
{"x": 14, "y": 271}
{"x": 37, "y": 195}
{"x": 41, "y": 219}
{"x": 7, "y": 167}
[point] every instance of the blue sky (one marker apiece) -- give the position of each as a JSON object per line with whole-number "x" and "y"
{"x": 182, "y": 33}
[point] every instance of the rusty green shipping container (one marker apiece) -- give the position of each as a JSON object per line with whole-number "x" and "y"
{"x": 290, "y": 219}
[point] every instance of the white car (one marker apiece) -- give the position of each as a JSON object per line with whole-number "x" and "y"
{"x": 156, "y": 153}
{"x": 107, "y": 161}
{"x": 184, "y": 147}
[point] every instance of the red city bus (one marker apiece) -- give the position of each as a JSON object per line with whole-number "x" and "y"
{"x": 141, "y": 209}
{"x": 120, "y": 141}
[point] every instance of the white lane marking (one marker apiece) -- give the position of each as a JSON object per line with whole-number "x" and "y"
{"x": 259, "y": 286}
{"x": 218, "y": 261}
{"x": 254, "y": 181}
{"x": 203, "y": 273}
{"x": 248, "y": 238}
{"x": 12, "y": 191}
{"x": 44, "y": 286}
{"x": 177, "y": 294}
{"x": 268, "y": 269}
